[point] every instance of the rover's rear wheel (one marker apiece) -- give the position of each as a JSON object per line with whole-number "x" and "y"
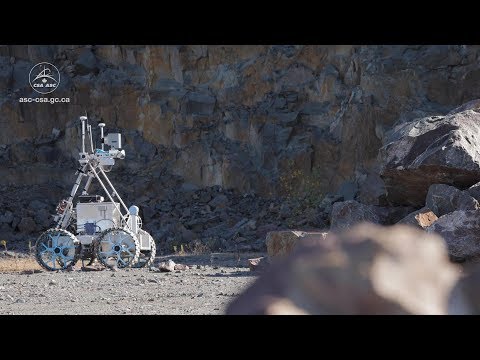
{"x": 118, "y": 247}
{"x": 146, "y": 257}
{"x": 57, "y": 249}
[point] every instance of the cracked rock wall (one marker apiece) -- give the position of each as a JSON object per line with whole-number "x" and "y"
{"x": 239, "y": 117}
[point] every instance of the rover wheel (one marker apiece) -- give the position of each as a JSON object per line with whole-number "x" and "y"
{"x": 146, "y": 257}
{"x": 118, "y": 247}
{"x": 57, "y": 249}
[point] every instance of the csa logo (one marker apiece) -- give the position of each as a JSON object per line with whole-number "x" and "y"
{"x": 44, "y": 78}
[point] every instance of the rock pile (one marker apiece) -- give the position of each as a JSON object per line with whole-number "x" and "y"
{"x": 431, "y": 171}
{"x": 208, "y": 219}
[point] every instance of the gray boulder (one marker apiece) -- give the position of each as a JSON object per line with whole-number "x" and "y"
{"x": 461, "y": 232}
{"x": 443, "y": 199}
{"x": 431, "y": 150}
{"x": 348, "y": 213}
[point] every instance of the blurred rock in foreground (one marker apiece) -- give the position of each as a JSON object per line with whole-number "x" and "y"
{"x": 368, "y": 269}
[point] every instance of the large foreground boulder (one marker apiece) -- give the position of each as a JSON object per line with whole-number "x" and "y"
{"x": 444, "y": 199}
{"x": 465, "y": 296}
{"x": 368, "y": 269}
{"x": 431, "y": 150}
{"x": 461, "y": 232}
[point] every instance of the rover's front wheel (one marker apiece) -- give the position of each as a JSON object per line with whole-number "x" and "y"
{"x": 118, "y": 247}
{"x": 57, "y": 249}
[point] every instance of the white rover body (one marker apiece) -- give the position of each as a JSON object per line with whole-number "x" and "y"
{"x": 95, "y": 227}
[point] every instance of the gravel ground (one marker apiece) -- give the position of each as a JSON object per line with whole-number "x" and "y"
{"x": 211, "y": 283}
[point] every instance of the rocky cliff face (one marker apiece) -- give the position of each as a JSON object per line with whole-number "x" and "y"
{"x": 270, "y": 120}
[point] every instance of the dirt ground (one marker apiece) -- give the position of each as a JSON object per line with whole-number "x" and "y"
{"x": 206, "y": 288}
